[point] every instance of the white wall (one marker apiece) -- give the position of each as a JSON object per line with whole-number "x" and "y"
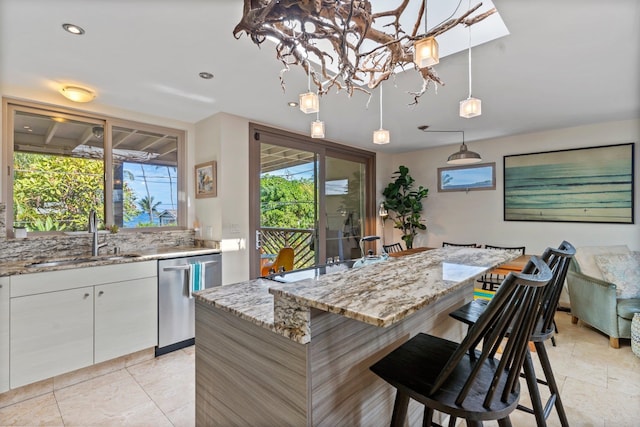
{"x": 225, "y": 138}
{"x": 477, "y": 216}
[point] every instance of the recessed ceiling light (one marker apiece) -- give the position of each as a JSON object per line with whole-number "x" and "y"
{"x": 206, "y": 75}
{"x": 26, "y": 127}
{"x": 292, "y": 104}
{"x": 423, "y": 128}
{"x": 73, "y": 29}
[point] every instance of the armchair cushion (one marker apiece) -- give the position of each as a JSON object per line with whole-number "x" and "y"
{"x": 585, "y": 257}
{"x": 624, "y": 271}
{"x": 627, "y": 308}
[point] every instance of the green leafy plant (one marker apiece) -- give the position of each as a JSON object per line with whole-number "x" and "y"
{"x": 406, "y": 203}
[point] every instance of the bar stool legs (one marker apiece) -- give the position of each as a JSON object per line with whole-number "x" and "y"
{"x": 542, "y": 413}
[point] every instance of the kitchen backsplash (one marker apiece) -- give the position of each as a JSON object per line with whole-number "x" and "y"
{"x": 75, "y": 244}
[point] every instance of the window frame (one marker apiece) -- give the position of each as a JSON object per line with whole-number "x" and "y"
{"x": 10, "y": 106}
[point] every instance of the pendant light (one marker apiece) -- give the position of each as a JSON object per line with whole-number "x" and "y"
{"x": 425, "y": 50}
{"x": 309, "y": 102}
{"x": 317, "y": 127}
{"x": 464, "y": 156}
{"x": 381, "y": 136}
{"x": 470, "y": 107}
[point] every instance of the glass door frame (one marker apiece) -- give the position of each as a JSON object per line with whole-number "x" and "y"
{"x": 259, "y": 134}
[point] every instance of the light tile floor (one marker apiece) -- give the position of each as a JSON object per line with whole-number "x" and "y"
{"x": 600, "y": 387}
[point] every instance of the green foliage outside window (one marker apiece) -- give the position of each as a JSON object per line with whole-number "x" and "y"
{"x": 57, "y": 192}
{"x": 287, "y": 203}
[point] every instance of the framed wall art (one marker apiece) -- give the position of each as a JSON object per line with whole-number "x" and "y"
{"x": 592, "y": 184}
{"x": 467, "y": 177}
{"x": 206, "y": 180}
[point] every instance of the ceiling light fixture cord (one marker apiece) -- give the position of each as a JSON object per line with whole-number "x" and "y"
{"x": 469, "y": 61}
{"x": 380, "y": 107}
{"x": 425, "y": 18}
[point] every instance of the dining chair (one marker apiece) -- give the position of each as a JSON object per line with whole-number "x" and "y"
{"x": 558, "y": 261}
{"x": 491, "y": 280}
{"x": 465, "y": 245}
{"x": 282, "y": 262}
{"x": 474, "y": 385}
{"x": 393, "y": 247}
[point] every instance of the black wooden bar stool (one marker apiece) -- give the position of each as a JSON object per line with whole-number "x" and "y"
{"x": 558, "y": 261}
{"x": 444, "y": 376}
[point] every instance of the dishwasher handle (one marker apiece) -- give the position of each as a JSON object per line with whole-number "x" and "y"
{"x": 186, "y": 266}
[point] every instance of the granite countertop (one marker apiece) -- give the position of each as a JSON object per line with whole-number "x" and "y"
{"x": 379, "y": 294}
{"x": 33, "y": 265}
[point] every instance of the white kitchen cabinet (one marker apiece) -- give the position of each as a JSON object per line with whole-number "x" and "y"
{"x": 125, "y": 318}
{"x": 51, "y": 333}
{"x": 64, "y": 320}
{"x": 4, "y": 334}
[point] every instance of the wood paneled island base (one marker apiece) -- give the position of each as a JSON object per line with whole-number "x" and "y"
{"x": 247, "y": 375}
{"x": 308, "y": 364}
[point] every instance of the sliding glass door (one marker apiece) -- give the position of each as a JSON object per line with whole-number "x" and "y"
{"x": 313, "y": 197}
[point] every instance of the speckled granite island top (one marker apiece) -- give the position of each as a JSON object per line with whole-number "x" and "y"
{"x": 379, "y": 294}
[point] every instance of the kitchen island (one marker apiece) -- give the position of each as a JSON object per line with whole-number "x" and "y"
{"x": 270, "y": 353}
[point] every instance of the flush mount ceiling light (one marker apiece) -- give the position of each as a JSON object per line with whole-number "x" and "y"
{"x": 73, "y": 29}
{"x": 205, "y": 75}
{"x": 77, "y": 94}
{"x": 345, "y": 34}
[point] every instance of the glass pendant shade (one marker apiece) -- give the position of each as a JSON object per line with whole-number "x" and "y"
{"x": 464, "y": 156}
{"x": 425, "y": 52}
{"x": 470, "y": 107}
{"x": 381, "y": 136}
{"x": 317, "y": 129}
{"x": 309, "y": 103}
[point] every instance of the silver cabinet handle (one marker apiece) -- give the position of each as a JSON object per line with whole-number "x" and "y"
{"x": 100, "y": 293}
{"x": 176, "y": 268}
{"x": 86, "y": 296}
{"x": 186, "y": 267}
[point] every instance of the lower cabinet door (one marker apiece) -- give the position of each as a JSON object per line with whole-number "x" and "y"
{"x": 4, "y": 334}
{"x": 51, "y": 334}
{"x": 126, "y": 316}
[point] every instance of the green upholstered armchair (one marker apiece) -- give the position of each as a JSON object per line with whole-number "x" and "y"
{"x": 597, "y": 302}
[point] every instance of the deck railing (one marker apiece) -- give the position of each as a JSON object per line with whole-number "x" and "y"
{"x": 274, "y": 239}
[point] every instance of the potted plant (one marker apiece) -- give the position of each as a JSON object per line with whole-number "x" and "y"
{"x": 406, "y": 203}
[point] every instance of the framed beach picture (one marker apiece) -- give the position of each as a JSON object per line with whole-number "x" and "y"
{"x": 467, "y": 178}
{"x": 592, "y": 184}
{"x": 206, "y": 182}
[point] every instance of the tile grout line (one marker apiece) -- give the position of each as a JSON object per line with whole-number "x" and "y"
{"x": 126, "y": 368}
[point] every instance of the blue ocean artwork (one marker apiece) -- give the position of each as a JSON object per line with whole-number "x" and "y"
{"x": 467, "y": 178}
{"x": 588, "y": 185}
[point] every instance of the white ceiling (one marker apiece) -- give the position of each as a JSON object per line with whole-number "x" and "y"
{"x": 565, "y": 63}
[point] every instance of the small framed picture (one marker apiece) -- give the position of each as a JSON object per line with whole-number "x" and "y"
{"x": 206, "y": 181}
{"x": 467, "y": 177}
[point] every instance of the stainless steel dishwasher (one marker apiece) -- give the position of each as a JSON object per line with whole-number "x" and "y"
{"x": 176, "y": 311}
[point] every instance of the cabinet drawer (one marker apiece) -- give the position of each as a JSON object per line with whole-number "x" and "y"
{"x": 51, "y": 281}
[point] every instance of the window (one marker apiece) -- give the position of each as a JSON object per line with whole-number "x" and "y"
{"x": 65, "y": 165}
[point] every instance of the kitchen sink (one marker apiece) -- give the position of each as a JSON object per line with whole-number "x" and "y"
{"x": 81, "y": 260}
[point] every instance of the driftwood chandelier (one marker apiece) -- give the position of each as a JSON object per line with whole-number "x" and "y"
{"x": 342, "y": 35}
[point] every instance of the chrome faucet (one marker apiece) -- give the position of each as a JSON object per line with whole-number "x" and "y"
{"x": 93, "y": 228}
